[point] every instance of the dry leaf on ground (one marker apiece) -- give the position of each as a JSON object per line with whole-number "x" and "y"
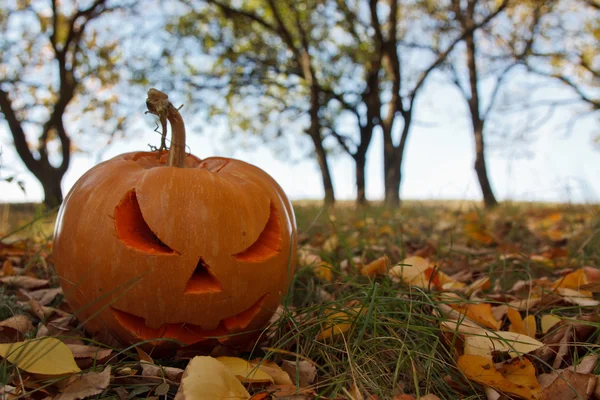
{"x": 85, "y": 351}
{"x": 206, "y": 378}
{"x": 302, "y": 371}
{"x": 24, "y": 282}
{"x": 482, "y": 370}
{"x": 46, "y": 356}
{"x": 244, "y": 371}
{"x": 89, "y": 384}
{"x": 486, "y": 343}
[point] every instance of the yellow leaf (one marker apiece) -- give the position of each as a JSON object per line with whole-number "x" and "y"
{"x": 476, "y": 232}
{"x": 244, "y": 371}
{"x": 480, "y": 313}
{"x": 525, "y": 326}
{"x": 486, "y": 342}
{"x": 331, "y": 244}
{"x": 482, "y": 370}
{"x": 206, "y": 378}
{"x": 46, "y": 356}
{"x": 480, "y": 284}
{"x": 548, "y": 321}
{"x": 280, "y": 377}
{"x": 412, "y": 271}
{"x": 386, "y": 230}
{"x": 323, "y": 271}
{"x": 520, "y": 371}
{"x": 338, "y": 323}
{"x": 574, "y": 281}
{"x": 376, "y": 267}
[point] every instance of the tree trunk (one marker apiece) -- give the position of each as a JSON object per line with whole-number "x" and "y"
{"x": 476, "y": 120}
{"x": 325, "y": 174}
{"x": 360, "y": 162}
{"x": 53, "y": 195}
{"x": 392, "y": 186}
{"x": 480, "y": 168}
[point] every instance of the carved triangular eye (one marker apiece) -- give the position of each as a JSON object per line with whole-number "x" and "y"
{"x": 268, "y": 243}
{"x": 202, "y": 280}
{"x": 133, "y": 230}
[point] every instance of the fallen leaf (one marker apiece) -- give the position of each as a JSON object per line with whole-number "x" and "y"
{"x": 482, "y": 370}
{"x": 280, "y": 377}
{"x": 302, "y": 371}
{"x": 206, "y": 378}
{"x": 85, "y": 351}
{"x": 487, "y": 342}
{"x": 323, "y": 271}
{"x": 411, "y": 271}
{"x": 172, "y": 374}
{"x": 46, "y": 356}
{"x": 20, "y": 323}
{"x": 376, "y": 267}
{"x": 89, "y": 384}
{"x": 480, "y": 284}
{"x": 570, "y": 385}
{"x": 577, "y": 297}
{"x": 143, "y": 356}
{"x": 331, "y": 244}
{"x": 548, "y": 321}
{"x": 338, "y": 323}
{"x": 480, "y": 313}
{"x": 44, "y": 296}
{"x": 477, "y": 232}
{"x": 24, "y": 282}
{"x": 525, "y": 326}
{"x": 244, "y": 371}
{"x": 291, "y": 392}
{"x": 7, "y": 268}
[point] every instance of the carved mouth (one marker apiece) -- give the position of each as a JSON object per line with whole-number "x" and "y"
{"x": 185, "y": 332}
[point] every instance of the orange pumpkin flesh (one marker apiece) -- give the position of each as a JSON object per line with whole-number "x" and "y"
{"x": 147, "y": 251}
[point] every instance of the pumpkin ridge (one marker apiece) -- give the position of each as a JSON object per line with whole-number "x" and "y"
{"x": 133, "y": 230}
{"x": 268, "y": 243}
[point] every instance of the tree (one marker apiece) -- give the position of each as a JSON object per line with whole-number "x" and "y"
{"x": 569, "y": 52}
{"x": 487, "y": 58}
{"x": 57, "y": 64}
{"x": 404, "y": 31}
{"x": 266, "y": 64}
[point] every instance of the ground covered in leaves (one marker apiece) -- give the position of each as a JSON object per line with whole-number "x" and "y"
{"x": 424, "y": 302}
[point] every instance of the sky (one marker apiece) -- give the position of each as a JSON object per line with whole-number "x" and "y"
{"x": 553, "y": 166}
{"x": 438, "y": 161}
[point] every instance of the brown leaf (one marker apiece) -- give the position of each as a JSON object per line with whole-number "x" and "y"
{"x": 86, "y": 385}
{"x": 24, "y": 282}
{"x": 20, "y": 323}
{"x": 570, "y": 385}
{"x": 7, "y": 268}
{"x": 173, "y": 374}
{"x": 307, "y": 371}
{"x": 44, "y": 296}
{"x": 143, "y": 356}
{"x": 85, "y": 351}
{"x": 290, "y": 391}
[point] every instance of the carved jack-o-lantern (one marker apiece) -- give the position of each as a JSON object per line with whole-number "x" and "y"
{"x": 149, "y": 251}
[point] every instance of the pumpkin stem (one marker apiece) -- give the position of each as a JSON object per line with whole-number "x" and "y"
{"x": 158, "y": 104}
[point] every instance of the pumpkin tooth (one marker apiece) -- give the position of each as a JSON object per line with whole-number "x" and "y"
{"x": 268, "y": 243}
{"x": 202, "y": 280}
{"x": 133, "y": 230}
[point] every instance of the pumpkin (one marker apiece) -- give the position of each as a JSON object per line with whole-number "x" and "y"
{"x": 184, "y": 249}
